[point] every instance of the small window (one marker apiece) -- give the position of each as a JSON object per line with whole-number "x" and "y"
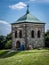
{"x": 32, "y": 34}
{"x": 15, "y": 34}
{"x": 20, "y": 34}
{"x": 38, "y": 34}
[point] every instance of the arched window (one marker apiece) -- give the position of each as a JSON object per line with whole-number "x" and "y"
{"x": 38, "y": 34}
{"x": 32, "y": 34}
{"x": 20, "y": 34}
{"x": 15, "y": 34}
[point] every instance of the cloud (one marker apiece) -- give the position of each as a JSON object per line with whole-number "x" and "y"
{"x": 4, "y": 22}
{"x": 5, "y": 27}
{"x": 39, "y": 0}
{"x": 33, "y": 0}
{"x": 19, "y": 5}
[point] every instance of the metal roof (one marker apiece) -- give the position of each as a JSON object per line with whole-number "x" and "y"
{"x": 28, "y": 18}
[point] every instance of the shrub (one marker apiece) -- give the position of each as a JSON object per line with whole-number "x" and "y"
{"x": 8, "y": 44}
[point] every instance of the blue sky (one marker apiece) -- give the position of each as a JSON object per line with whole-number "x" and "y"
{"x": 11, "y": 10}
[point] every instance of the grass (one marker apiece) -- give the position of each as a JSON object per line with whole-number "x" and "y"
{"x": 30, "y": 57}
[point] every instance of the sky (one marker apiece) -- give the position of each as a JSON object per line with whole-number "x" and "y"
{"x": 11, "y": 10}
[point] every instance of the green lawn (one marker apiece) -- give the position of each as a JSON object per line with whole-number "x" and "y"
{"x": 30, "y": 57}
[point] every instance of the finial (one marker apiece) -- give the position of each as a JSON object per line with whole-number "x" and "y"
{"x": 27, "y": 8}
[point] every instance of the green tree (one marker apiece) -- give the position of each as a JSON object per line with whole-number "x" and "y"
{"x": 47, "y": 39}
{"x": 2, "y": 41}
{"x": 8, "y": 41}
{"x": 5, "y": 41}
{"x": 8, "y": 44}
{"x": 9, "y": 37}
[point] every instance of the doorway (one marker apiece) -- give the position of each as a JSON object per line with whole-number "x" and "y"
{"x": 18, "y": 45}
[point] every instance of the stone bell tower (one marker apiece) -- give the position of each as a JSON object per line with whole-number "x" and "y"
{"x": 28, "y": 32}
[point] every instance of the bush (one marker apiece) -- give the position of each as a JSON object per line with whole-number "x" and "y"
{"x": 47, "y": 39}
{"x": 8, "y": 45}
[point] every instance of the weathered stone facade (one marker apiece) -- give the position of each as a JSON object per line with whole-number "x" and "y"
{"x": 26, "y": 39}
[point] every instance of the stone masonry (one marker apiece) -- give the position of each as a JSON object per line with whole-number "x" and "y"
{"x": 27, "y": 40}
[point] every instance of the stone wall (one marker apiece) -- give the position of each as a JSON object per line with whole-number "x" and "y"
{"x": 26, "y": 32}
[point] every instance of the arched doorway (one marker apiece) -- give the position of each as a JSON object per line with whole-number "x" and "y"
{"x": 18, "y": 45}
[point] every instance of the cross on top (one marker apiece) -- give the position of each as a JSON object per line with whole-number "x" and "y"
{"x": 27, "y": 9}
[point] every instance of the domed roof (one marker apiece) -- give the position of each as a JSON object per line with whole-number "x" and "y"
{"x": 28, "y": 17}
